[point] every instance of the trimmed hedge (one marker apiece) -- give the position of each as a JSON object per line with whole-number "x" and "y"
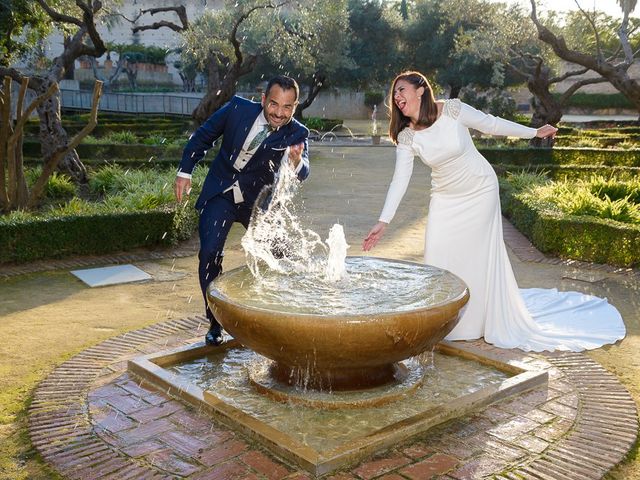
{"x": 113, "y": 152}
{"x": 37, "y": 238}
{"x": 562, "y": 156}
{"x": 577, "y": 237}
{"x": 141, "y": 128}
{"x": 321, "y": 124}
{"x": 598, "y": 100}
{"x": 571, "y": 171}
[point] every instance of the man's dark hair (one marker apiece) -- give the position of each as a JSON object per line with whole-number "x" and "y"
{"x": 284, "y": 82}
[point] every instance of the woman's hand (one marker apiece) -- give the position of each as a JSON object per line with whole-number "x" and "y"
{"x": 374, "y": 235}
{"x": 547, "y": 131}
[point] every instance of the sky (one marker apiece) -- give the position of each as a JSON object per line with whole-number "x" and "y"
{"x": 610, "y": 7}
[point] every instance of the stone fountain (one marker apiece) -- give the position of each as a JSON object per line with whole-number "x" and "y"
{"x": 343, "y": 385}
{"x": 346, "y": 351}
{"x": 348, "y": 348}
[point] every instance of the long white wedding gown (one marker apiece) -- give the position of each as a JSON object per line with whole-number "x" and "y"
{"x": 464, "y": 236}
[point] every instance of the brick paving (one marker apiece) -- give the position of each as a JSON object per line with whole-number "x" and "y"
{"x": 90, "y": 419}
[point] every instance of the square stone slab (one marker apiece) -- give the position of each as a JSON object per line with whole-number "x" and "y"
{"x": 156, "y": 368}
{"x": 99, "y": 277}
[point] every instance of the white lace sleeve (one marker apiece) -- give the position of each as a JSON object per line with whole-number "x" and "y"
{"x": 486, "y": 123}
{"x": 400, "y": 180}
{"x": 405, "y": 137}
{"x": 451, "y": 107}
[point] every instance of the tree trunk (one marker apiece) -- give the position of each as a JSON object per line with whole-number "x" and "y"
{"x": 70, "y": 71}
{"x": 219, "y": 91}
{"x": 131, "y": 70}
{"x": 546, "y": 108}
{"x": 53, "y": 136}
{"x": 188, "y": 82}
{"x": 318, "y": 82}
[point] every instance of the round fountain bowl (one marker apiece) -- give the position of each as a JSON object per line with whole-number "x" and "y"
{"x": 347, "y": 335}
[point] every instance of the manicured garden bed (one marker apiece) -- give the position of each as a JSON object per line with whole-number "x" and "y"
{"x": 595, "y": 220}
{"x": 124, "y": 209}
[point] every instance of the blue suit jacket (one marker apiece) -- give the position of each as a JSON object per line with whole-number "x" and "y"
{"x": 233, "y": 121}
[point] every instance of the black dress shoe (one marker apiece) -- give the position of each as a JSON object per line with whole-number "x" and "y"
{"x": 214, "y": 335}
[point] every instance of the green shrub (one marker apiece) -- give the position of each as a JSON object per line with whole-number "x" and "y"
{"x": 562, "y": 156}
{"x": 154, "y": 140}
{"x": 587, "y": 197}
{"x": 627, "y": 144}
{"x": 321, "y": 124}
{"x": 567, "y": 172}
{"x": 585, "y": 142}
{"x": 615, "y": 188}
{"x": 138, "y": 209}
{"x": 127, "y": 137}
{"x": 534, "y": 209}
{"x": 111, "y": 153}
{"x": 598, "y": 100}
{"x": 106, "y": 179}
{"x": 58, "y": 187}
{"x": 75, "y": 206}
{"x": 54, "y": 237}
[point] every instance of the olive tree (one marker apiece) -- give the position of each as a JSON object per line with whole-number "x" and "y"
{"x": 610, "y": 59}
{"x": 78, "y": 20}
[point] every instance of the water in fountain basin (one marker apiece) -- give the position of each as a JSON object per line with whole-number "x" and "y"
{"x": 225, "y": 374}
{"x": 370, "y": 286}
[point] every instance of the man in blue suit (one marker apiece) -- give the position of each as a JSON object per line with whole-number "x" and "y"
{"x": 256, "y": 139}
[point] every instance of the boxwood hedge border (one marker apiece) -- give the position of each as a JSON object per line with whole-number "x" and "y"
{"x": 37, "y": 238}
{"x": 583, "y": 238}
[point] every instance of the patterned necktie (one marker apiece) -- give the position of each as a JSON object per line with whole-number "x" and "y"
{"x": 259, "y": 138}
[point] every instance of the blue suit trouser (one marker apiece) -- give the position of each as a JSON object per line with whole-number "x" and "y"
{"x": 216, "y": 218}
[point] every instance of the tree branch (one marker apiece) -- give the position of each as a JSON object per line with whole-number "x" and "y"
{"x": 566, "y": 75}
{"x": 234, "y": 31}
{"x": 57, "y": 16}
{"x": 52, "y": 162}
{"x": 559, "y": 45}
{"x": 90, "y": 24}
{"x": 577, "y": 85}
{"x": 179, "y": 10}
{"x": 593, "y": 27}
{"x": 17, "y": 76}
{"x": 624, "y": 37}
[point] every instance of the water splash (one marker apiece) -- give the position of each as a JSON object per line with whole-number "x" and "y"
{"x": 336, "y": 269}
{"x": 276, "y": 239}
{"x": 374, "y": 121}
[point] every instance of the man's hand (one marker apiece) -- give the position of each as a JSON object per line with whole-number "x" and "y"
{"x": 295, "y": 154}
{"x": 182, "y": 186}
{"x": 374, "y": 235}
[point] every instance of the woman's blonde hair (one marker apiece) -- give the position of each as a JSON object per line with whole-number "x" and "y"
{"x": 428, "y": 108}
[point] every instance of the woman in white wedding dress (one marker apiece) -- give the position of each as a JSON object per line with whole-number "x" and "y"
{"x": 464, "y": 228}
